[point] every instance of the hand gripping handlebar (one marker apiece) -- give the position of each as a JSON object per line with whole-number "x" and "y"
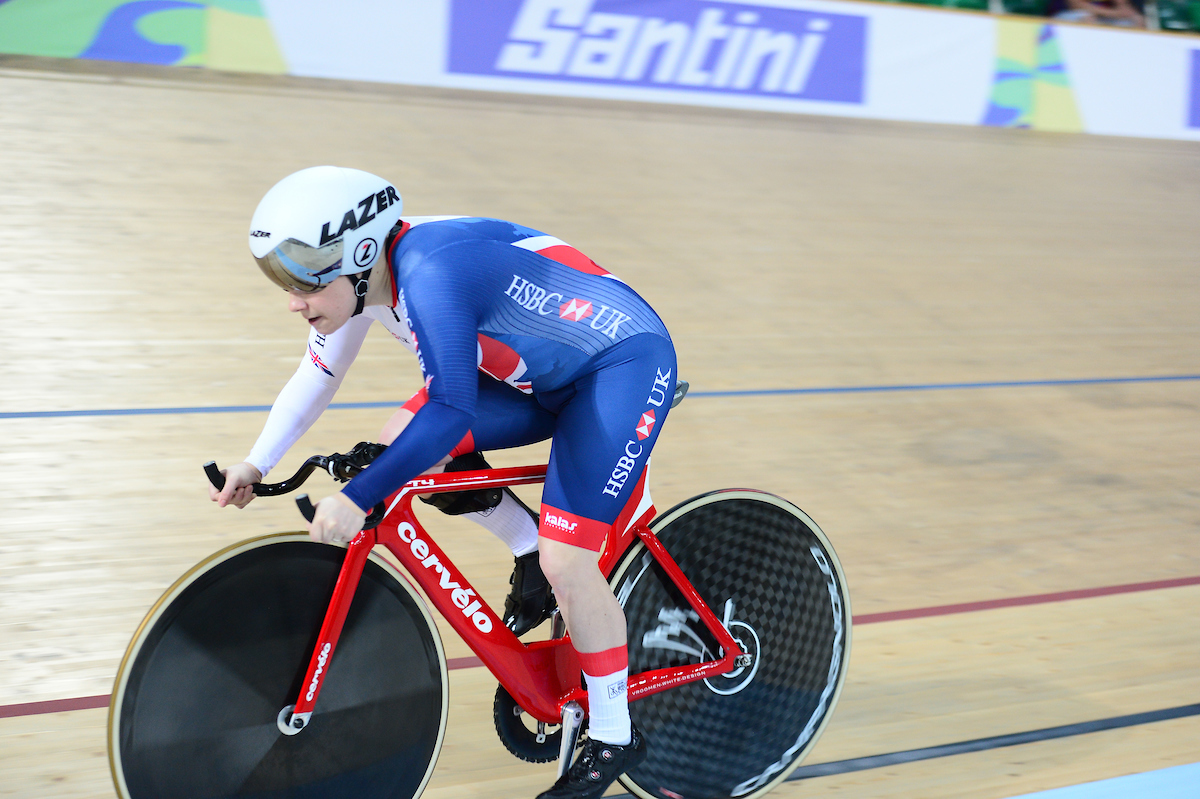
{"x": 309, "y": 510}
{"x": 340, "y": 468}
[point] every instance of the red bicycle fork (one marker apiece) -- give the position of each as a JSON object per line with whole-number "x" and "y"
{"x": 543, "y": 677}
{"x": 294, "y": 718}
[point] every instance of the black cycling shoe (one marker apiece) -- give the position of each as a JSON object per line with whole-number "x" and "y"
{"x": 531, "y": 600}
{"x": 596, "y": 767}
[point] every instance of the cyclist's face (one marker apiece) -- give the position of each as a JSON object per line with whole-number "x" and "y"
{"x": 328, "y": 309}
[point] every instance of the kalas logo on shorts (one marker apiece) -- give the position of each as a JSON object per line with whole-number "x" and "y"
{"x": 735, "y": 48}
{"x": 561, "y": 523}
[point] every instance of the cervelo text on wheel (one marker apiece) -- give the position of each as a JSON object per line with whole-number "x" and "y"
{"x": 286, "y": 668}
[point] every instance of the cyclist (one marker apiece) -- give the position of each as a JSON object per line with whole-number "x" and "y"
{"x": 520, "y": 338}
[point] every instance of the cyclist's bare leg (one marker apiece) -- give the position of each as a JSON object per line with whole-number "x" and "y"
{"x": 394, "y": 426}
{"x": 597, "y": 626}
{"x": 593, "y": 615}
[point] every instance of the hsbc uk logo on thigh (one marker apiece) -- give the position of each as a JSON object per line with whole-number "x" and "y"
{"x": 724, "y": 47}
{"x": 634, "y": 448}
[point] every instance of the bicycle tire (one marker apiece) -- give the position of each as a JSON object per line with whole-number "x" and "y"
{"x": 195, "y": 705}
{"x": 740, "y": 734}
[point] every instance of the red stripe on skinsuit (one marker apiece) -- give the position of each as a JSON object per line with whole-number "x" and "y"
{"x": 569, "y": 528}
{"x": 569, "y": 256}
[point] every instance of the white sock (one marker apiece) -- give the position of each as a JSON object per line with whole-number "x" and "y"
{"x": 511, "y": 523}
{"x": 608, "y": 708}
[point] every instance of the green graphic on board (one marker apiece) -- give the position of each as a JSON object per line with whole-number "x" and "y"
{"x": 1031, "y": 87}
{"x": 219, "y": 34}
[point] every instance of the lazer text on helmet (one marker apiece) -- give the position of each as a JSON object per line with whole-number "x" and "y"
{"x": 352, "y": 221}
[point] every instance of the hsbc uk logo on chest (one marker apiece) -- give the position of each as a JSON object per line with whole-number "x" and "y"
{"x": 533, "y": 297}
{"x": 725, "y": 47}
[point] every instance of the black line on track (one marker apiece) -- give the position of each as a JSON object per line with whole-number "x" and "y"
{"x": 982, "y": 744}
{"x": 994, "y": 742}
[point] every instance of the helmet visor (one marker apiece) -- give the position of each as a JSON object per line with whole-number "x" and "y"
{"x": 295, "y": 265}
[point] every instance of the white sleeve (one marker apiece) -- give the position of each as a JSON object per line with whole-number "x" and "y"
{"x": 309, "y": 392}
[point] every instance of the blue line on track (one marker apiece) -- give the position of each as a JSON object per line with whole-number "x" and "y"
{"x": 765, "y": 392}
{"x": 944, "y": 386}
{"x": 169, "y": 411}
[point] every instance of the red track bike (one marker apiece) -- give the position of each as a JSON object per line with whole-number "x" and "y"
{"x": 280, "y": 667}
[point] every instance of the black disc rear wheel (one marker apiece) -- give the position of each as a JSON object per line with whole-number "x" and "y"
{"x": 195, "y": 706}
{"x": 766, "y": 570}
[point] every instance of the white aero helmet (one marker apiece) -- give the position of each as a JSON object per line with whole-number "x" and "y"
{"x": 320, "y": 223}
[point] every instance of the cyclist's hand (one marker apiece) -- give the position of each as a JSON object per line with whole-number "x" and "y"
{"x": 337, "y": 520}
{"x": 238, "y": 490}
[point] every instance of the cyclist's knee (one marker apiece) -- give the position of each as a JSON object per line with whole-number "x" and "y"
{"x": 395, "y": 426}
{"x": 565, "y": 565}
{"x": 392, "y": 430}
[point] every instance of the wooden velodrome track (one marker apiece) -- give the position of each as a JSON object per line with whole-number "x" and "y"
{"x": 783, "y": 253}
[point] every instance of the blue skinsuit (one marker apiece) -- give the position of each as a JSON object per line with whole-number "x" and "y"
{"x": 582, "y": 357}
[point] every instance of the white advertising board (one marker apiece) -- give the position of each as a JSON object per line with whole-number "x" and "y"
{"x": 804, "y": 56}
{"x": 836, "y": 57}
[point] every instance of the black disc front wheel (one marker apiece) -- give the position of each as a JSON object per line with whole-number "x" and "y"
{"x": 198, "y": 695}
{"x": 768, "y": 572}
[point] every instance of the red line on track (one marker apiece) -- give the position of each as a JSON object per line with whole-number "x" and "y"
{"x": 53, "y": 706}
{"x": 470, "y": 662}
{"x": 1017, "y": 601}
